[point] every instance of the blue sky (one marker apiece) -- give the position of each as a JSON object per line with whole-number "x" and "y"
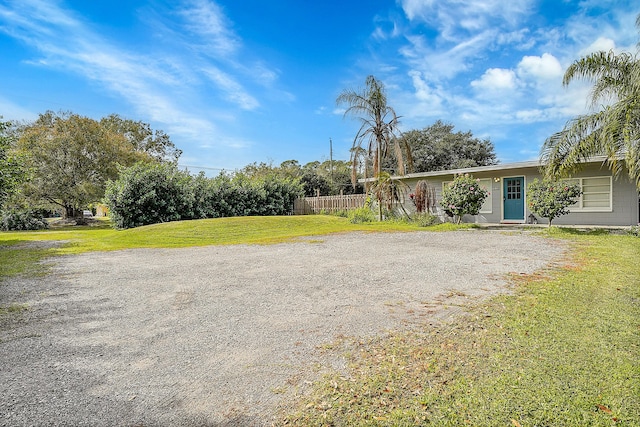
{"x": 241, "y": 81}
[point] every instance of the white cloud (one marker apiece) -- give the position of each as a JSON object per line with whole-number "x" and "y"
{"x": 530, "y": 116}
{"x": 423, "y": 92}
{"x": 385, "y": 28}
{"x": 545, "y": 67}
{"x": 158, "y": 86}
{"x": 601, "y": 44}
{"x": 11, "y": 111}
{"x": 496, "y": 80}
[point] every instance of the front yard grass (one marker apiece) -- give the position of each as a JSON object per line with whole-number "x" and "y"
{"x": 563, "y": 350}
{"x": 18, "y": 256}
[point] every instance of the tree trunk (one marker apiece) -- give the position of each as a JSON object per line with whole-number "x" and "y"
{"x": 69, "y": 212}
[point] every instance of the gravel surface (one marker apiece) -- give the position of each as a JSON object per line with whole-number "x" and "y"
{"x": 216, "y": 336}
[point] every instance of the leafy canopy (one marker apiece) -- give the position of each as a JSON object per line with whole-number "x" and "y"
{"x": 71, "y": 158}
{"x": 149, "y": 193}
{"x": 438, "y": 147}
{"x": 155, "y": 143}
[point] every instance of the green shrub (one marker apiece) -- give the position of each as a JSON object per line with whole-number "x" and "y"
{"x": 361, "y": 215}
{"x": 28, "y": 219}
{"x": 148, "y": 194}
{"x": 463, "y": 196}
{"x": 425, "y": 219}
{"x": 634, "y": 230}
{"x": 151, "y": 193}
{"x": 551, "y": 199}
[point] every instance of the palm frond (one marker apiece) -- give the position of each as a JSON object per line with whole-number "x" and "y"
{"x": 378, "y": 121}
{"x": 614, "y": 131}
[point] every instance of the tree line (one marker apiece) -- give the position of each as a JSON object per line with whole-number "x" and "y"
{"x": 63, "y": 161}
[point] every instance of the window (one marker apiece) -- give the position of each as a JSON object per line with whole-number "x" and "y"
{"x": 596, "y": 194}
{"x": 486, "y": 185}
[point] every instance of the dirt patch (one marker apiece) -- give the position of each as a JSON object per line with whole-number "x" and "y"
{"x": 218, "y": 335}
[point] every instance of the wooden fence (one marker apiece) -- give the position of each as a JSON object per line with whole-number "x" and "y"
{"x": 314, "y": 205}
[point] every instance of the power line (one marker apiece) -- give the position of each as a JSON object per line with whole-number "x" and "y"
{"x": 202, "y": 167}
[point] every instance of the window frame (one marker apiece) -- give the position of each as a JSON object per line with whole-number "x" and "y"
{"x": 579, "y": 205}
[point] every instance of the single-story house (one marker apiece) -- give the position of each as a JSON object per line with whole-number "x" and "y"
{"x": 605, "y": 200}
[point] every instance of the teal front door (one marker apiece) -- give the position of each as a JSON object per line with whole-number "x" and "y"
{"x": 513, "y": 193}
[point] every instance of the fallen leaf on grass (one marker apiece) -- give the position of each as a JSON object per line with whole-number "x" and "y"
{"x": 515, "y": 423}
{"x": 604, "y": 409}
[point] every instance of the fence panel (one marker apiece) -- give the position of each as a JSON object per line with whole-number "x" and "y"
{"x": 314, "y": 205}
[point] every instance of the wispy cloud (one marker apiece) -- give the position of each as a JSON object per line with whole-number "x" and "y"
{"x": 234, "y": 92}
{"x": 456, "y": 19}
{"x": 153, "y": 84}
{"x": 206, "y": 20}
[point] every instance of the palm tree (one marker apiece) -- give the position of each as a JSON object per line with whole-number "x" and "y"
{"x": 379, "y": 126}
{"x": 614, "y": 131}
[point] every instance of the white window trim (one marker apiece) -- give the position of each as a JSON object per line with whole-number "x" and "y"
{"x": 579, "y": 208}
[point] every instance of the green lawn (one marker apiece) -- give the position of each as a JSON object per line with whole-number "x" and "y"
{"x": 16, "y": 256}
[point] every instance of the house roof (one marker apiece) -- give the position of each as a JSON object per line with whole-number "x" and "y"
{"x": 492, "y": 168}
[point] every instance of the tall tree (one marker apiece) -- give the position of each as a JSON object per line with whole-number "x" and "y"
{"x": 613, "y": 131}
{"x": 155, "y": 143}
{"x": 314, "y": 181}
{"x": 379, "y": 126}
{"x": 71, "y": 158}
{"x": 11, "y": 170}
{"x": 329, "y": 178}
{"x": 438, "y": 147}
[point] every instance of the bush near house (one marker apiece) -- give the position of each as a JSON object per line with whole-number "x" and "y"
{"x": 463, "y": 196}
{"x": 551, "y": 199}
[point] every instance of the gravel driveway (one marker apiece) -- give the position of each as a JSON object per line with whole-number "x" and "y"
{"x": 214, "y": 335}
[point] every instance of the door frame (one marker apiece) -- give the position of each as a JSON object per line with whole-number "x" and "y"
{"x": 524, "y": 199}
